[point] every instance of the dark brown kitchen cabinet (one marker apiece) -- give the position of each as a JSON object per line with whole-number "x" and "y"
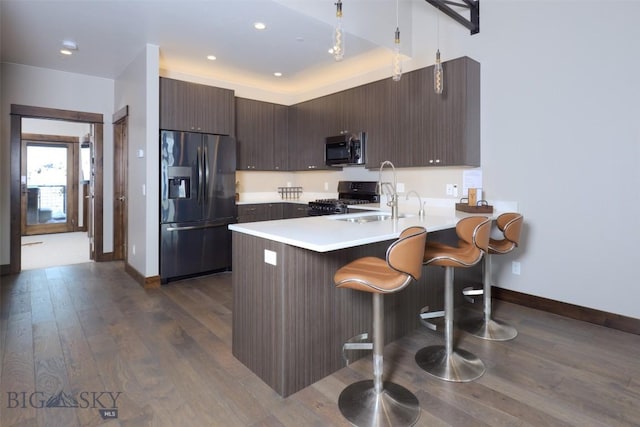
{"x": 406, "y": 122}
{"x": 281, "y": 146}
{"x": 194, "y": 107}
{"x": 295, "y": 210}
{"x": 254, "y": 134}
{"x": 379, "y": 124}
{"x": 308, "y": 124}
{"x": 456, "y": 133}
{"x": 260, "y": 212}
{"x": 412, "y": 126}
{"x": 262, "y": 135}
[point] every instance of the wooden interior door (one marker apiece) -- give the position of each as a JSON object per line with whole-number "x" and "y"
{"x": 120, "y": 168}
{"x": 49, "y": 184}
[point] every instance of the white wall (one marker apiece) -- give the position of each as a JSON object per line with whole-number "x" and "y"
{"x": 138, "y": 87}
{"x": 561, "y": 135}
{"x": 40, "y": 87}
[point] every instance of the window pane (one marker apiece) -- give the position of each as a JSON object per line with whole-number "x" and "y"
{"x": 47, "y": 184}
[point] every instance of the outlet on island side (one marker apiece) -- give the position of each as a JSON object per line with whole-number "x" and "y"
{"x": 515, "y": 268}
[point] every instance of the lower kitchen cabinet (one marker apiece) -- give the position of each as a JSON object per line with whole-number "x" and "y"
{"x": 270, "y": 211}
{"x": 260, "y": 212}
{"x": 295, "y": 210}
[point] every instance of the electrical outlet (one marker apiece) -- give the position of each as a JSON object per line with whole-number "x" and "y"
{"x": 455, "y": 190}
{"x": 270, "y": 257}
{"x": 515, "y": 268}
{"x": 326, "y": 186}
{"x": 449, "y": 189}
{"x": 400, "y": 187}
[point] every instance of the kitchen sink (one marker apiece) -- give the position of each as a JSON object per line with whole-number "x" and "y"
{"x": 369, "y": 218}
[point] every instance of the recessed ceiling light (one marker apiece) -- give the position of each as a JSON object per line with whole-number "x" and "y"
{"x": 259, "y": 26}
{"x": 68, "y": 47}
{"x": 277, "y": 74}
{"x": 211, "y": 57}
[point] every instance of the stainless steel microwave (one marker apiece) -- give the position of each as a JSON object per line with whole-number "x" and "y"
{"x": 345, "y": 150}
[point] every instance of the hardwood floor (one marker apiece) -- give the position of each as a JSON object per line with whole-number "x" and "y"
{"x": 91, "y": 332}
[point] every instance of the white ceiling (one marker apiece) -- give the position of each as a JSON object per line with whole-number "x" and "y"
{"x": 111, "y": 33}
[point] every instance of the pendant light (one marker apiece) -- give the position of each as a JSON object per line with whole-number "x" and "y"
{"x": 438, "y": 72}
{"x": 338, "y": 34}
{"x": 396, "y": 60}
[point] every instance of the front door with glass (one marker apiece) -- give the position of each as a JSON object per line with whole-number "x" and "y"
{"x": 49, "y": 186}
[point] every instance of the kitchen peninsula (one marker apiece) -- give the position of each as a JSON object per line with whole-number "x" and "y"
{"x": 289, "y": 320}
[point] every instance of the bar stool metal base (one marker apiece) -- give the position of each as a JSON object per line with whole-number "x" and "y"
{"x": 492, "y": 330}
{"x": 459, "y": 366}
{"x": 393, "y": 406}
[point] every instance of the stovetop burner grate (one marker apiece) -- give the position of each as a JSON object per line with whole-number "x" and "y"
{"x": 350, "y": 193}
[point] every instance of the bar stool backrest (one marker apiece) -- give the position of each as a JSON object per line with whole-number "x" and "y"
{"x": 406, "y": 253}
{"x": 510, "y": 224}
{"x": 475, "y": 231}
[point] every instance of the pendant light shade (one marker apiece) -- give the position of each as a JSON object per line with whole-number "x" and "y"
{"x": 438, "y": 72}
{"x": 338, "y": 34}
{"x": 397, "y": 59}
{"x": 438, "y": 75}
{"x": 396, "y": 64}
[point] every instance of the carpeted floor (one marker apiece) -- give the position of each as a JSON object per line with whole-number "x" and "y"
{"x": 48, "y": 250}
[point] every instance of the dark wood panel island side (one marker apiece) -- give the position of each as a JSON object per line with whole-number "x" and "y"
{"x": 289, "y": 320}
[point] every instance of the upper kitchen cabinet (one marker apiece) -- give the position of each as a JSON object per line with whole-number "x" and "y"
{"x": 262, "y": 135}
{"x": 309, "y": 125}
{"x": 454, "y": 138}
{"x": 421, "y": 128}
{"x": 193, "y": 107}
{"x": 380, "y": 122}
{"x": 281, "y": 137}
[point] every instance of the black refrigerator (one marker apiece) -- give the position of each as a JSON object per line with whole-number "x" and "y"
{"x": 197, "y": 203}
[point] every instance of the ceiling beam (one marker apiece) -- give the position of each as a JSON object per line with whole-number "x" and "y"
{"x": 473, "y": 23}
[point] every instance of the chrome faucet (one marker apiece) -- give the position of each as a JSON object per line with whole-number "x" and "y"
{"x": 393, "y": 203}
{"x": 421, "y": 210}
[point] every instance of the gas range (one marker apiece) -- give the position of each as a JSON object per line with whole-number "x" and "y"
{"x": 349, "y": 193}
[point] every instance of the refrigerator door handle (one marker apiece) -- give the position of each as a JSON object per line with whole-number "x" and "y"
{"x": 198, "y": 227}
{"x": 205, "y": 165}
{"x": 200, "y": 183}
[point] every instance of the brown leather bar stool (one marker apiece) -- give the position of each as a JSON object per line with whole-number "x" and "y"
{"x": 443, "y": 361}
{"x": 372, "y": 402}
{"x": 487, "y": 328}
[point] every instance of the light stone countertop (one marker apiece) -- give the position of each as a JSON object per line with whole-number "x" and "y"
{"x": 332, "y": 232}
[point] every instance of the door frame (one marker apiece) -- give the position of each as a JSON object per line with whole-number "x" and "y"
{"x": 18, "y": 112}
